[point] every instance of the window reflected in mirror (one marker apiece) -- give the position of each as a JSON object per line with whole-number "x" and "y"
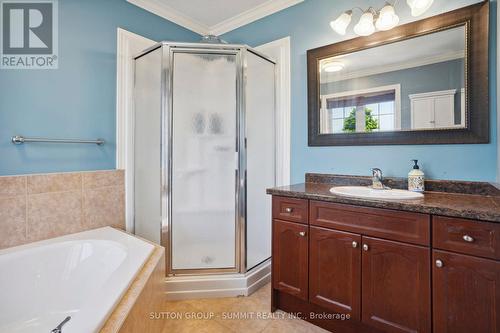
{"x": 414, "y": 84}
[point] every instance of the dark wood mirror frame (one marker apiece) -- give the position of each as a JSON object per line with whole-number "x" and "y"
{"x": 476, "y": 20}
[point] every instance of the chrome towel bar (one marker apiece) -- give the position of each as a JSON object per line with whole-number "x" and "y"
{"x": 19, "y": 139}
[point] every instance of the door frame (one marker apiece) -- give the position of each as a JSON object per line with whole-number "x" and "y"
{"x": 127, "y": 45}
{"x": 279, "y": 50}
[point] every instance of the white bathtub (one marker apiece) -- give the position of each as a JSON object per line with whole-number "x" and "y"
{"x": 82, "y": 275}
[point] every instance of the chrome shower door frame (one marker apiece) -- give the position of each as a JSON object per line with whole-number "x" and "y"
{"x": 169, "y": 51}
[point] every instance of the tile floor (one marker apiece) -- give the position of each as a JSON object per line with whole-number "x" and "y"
{"x": 227, "y": 315}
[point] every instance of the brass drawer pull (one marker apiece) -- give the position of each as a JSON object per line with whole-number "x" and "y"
{"x": 302, "y": 234}
{"x": 468, "y": 238}
{"x": 288, "y": 210}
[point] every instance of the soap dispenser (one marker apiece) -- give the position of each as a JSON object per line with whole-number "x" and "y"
{"x": 416, "y": 178}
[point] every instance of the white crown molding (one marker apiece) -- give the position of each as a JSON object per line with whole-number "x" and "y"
{"x": 449, "y": 92}
{"x": 395, "y": 67}
{"x": 172, "y": 15}
{"x": 251, "y": 15}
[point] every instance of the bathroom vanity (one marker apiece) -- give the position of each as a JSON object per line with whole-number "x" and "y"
{"x": 364, "y": 265}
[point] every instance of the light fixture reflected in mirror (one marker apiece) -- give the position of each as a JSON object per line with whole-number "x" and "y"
{"x": 333, "y": 66}
{"x": 342, "y": 22}
{"x": 418, "y": 7}
{"x": 365, "y": 25}
{"x": 386, "y": 17}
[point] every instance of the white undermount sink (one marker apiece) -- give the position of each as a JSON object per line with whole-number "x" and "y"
{"x": 370, "y": 193}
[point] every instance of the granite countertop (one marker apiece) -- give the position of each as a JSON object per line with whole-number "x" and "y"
{"x": 472, "y": 206}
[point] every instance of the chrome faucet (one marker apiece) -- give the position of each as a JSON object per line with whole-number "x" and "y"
{"x": 59, "y": 327}
{"x": 377, "y": 179}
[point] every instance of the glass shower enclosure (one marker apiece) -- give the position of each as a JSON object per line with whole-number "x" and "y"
{"x": 204, "y": 153}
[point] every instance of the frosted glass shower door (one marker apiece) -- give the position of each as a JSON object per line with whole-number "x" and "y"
{"x": 147, "y": 139}
{"x": 203, "y": 147}
{"x": 260, "y": 131}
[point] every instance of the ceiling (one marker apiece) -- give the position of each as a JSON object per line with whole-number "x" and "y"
{"x": 428, "y": 49}
{"x": 214, "y": 16}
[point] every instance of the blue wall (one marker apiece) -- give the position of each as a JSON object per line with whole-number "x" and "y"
{"x": 78, "y": 99}
{"x": 434, "y": 77}
{"x": 308, "y": 26}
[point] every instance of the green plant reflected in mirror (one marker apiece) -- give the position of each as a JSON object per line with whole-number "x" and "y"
{"x": 370, "y": 122}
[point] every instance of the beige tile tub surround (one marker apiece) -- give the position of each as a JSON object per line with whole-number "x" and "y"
{"x": 145, "y": 294}
{"x": 36, "y": 207}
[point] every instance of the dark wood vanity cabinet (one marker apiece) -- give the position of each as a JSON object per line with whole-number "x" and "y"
{"x": 395, "y": 279}
{"x": 290, "y": 258}
{"x": 396, "y": 286}
{"x": 466, "y": 275}
{"x": 290, "y": 209}
{"x": 335, "y": 271}
{"x": 381, "y": 268}
{"x": 466, "y": 293}
{"x": 467, "y": 237}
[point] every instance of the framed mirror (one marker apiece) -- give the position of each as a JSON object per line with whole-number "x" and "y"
{"x": 424, "y": 82}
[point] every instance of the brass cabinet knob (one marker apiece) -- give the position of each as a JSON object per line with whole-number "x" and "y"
{"x": 468, "y": 239}
{"x": 365, "y": 247}
{"x": 302, "y": 234}
{"x": 354, "y": 244}
{"x": 439, "y": 263}
{"x": 288, "y": 209}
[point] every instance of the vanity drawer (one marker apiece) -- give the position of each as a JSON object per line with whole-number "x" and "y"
{"x": 290, "y": 209}
{"x": 383, "y": 223}
{"x": 466, "y": 236}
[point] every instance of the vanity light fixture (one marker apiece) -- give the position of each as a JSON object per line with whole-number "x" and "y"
{"x": 418, "y": 7}
{"x": 333, "y": 66}
{"x": 387, "y": 18}
{"x": 371, "y": 19}
{"x": 342, "y": 22}
{"x": 365, "y": 25}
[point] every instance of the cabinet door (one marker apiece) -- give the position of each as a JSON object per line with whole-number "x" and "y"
{"x": 290, "y": 258}
{"x": 335, "y": 271}
{"x": 396, "y": 286}
{"x": 444, "y": 111}
{"x": 422, "y": 113}
{"x": 466, "y": 293}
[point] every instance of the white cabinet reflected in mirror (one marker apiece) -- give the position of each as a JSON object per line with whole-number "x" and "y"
{"x": 410, "y": 85}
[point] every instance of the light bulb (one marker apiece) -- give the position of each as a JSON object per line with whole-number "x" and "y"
{"x": 387, "y": 18}
{"x": 418, "y": 7}
{"x": 365, "y": 25}
{"x": 333, "y": 66}
{"x": 342, "y": 22}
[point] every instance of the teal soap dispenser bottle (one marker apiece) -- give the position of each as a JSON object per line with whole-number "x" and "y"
{"x": 416, "y": 179}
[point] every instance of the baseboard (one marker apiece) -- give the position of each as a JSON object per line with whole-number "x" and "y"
{"x": 214, "y": 286}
